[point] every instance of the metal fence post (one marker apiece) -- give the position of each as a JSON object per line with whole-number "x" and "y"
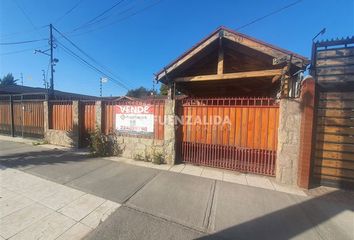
{"x": 12, "y": 117}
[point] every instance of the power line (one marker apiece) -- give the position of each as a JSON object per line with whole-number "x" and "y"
{"x": 88, "y": 56}
{"x": 9, "y": 35}
{"x": 25, "y": 14}
{"x": 101, "y": 14}
{"x": 69, "y": 11}
{"x": 76, "y": 56}
{"x": 23, "y": 42}
{"x": 269, "y": 14}
{"x": 120, "y": 19}
{"x": 19, "y": 51}
{"x": 106, "y": 17}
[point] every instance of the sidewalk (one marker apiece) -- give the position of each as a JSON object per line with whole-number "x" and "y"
{"x": 34, "y": 208}
{"x": 218, "y": 174}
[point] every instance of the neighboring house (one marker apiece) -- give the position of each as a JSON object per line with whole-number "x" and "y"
{"x": 17, "y": 89}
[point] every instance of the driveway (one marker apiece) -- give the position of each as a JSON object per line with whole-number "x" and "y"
{"x": 157, "y": 204}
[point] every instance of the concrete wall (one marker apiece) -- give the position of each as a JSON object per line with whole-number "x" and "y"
{"x": 288, "y": 141}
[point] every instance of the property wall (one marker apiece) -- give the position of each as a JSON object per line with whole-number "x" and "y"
{"x": 66, "y": 138}
{"x": 288, "y": 141}
{"x": 132, "y": 146}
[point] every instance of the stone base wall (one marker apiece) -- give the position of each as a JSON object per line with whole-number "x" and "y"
{"x": 170, "y": 132}
{"x": 288, "y": 141}
{"x": 61, "y": 138}
{"x": 132, "y": 146}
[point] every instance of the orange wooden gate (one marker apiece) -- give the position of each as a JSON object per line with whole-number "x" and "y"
{"x": 28, "y": 118}
{"x": 88, "y": 121}
{"x": 231, "y": 133}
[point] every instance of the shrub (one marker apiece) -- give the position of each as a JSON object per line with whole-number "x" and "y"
{"x": 138, "y": 157}
{"x": 158, "y": 158}
{"x": 102, "y": 145}
{"x": 147, "y": 158}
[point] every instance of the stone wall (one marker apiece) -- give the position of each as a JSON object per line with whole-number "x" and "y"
{"x": 59, "y": 137}
{"x": 288, "y": 141}
{"x": 170, "y": 132}
{"x": 133, "y": 146}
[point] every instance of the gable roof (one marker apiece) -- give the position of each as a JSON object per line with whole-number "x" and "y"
{"x": 223, "y": 32}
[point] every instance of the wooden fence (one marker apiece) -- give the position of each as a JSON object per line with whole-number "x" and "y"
{"x": 88, "y": 120}
{"x": 22, "y": 117}
{"x": 232, "y": 133}
{"x": 61, "y": 115}
{"x": 5, "y": 117}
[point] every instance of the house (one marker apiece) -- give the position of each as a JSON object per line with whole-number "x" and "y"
{"x": 31, "y": 91}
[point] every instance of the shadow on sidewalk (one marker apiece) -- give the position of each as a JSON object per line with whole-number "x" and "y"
{"x": 43, "y": 157}
{"x": 294, "y": 220}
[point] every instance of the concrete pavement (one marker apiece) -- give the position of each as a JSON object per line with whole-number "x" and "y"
{"x": 34, "y": 208}
{"x": 158, "y": 204}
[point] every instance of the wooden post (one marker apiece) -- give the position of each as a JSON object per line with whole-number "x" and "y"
{"x": 306, "y": 135}
{"x": 220, "y": 69}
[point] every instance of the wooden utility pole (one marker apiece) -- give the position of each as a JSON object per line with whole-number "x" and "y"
{"x": 51, "y": 59}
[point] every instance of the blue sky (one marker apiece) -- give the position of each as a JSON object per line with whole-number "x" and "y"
{"x": 145, "y": 35}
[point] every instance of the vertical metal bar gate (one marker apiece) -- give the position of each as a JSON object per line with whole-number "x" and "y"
{"x": 230, "y": 133}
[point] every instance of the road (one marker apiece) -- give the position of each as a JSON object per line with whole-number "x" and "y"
{"x": 157, "y": 204}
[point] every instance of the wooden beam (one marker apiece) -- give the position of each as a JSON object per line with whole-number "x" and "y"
{"x": 220, "y": 69}
{"x": 275, "y": 53}
{"x": 188, "y": 56}
{"x": 230, "y": 76}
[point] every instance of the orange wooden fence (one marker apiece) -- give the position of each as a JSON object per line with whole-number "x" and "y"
{"x": 61, "y": 115}
{"x": 28, "y": 117}
{"x": 88, "y": 121}
{"x": 233, "y": 133}
{"x": 5, "y": 117}
{"x": 88, "y": 116}
{"x": 108, "y": 116}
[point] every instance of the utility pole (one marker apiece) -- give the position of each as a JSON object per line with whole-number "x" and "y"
{"x": 102, "y": 80}
{"x": 51, "y": 59}
{"x": 44, "y": 80}
{"x": 100, "y": 87}
{"x": 21, "y": 79}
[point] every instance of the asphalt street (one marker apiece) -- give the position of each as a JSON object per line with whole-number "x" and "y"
{"x": 157, "y": 204}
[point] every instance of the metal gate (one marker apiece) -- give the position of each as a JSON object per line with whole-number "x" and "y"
{"x": 231, "y": 133}
{"x": 21, "y": 117}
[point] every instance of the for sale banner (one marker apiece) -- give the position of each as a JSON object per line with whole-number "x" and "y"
{"x": 137, "y": 119}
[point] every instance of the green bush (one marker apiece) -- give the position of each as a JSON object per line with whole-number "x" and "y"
{"x": 158, "y": 158}
{"x": 138, "y": 157}
{"x": 101, "y": 145}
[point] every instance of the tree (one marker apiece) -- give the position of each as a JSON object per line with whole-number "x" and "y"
{"x": 163, "y": 89}
{"x": 140, "y": 92}
{"x": 8, "y": 80}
